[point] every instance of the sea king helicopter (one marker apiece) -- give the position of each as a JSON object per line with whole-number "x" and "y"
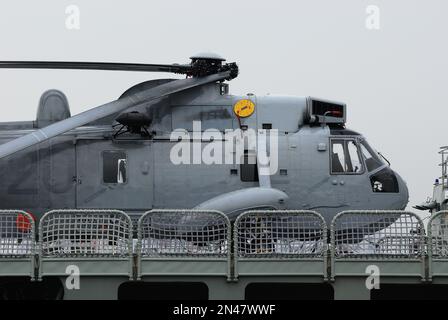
{"x": 120, "y": 155}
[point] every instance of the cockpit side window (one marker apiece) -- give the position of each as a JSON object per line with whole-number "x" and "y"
{"x": 345, "y": 157}
{"x": 337, "y": 157}
{"x": 371, "y": 157}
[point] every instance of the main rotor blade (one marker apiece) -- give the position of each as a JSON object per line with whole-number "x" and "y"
{"x": 105, "y": 110}
{"x": 172, "y": 68}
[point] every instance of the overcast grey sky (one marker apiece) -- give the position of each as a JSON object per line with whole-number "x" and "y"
{"x": 393, "y": 79}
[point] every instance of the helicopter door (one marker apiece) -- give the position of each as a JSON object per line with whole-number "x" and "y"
{"x": 114, "y": 176}
{"x": 346, "y": 169}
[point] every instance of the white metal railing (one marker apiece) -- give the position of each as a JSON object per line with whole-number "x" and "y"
{"x": 85, "y": 233}
{"x": 183, "y": 233}
{"x": 165, "y": 235}
{"x": 17, "y": 234}
{"x": 274, "y": 233}
{"x": 377, "y": 234}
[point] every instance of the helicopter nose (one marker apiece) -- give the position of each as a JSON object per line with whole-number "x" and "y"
{"x": 403, "y": 192}
{"x": 393, "y": 188}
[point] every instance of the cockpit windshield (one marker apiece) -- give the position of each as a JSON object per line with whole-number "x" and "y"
{"x": 371, "y": 157}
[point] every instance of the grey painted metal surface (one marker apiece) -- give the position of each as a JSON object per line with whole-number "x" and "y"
{"x": 136, "y": 193}
{"x": 235, "y": 202}
{"x": 53, "y": 107}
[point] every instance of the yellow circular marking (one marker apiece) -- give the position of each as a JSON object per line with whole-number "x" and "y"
{"x": 244, "y": 108}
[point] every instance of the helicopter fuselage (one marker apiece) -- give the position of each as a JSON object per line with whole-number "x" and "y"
{"x": 321, "y": 166}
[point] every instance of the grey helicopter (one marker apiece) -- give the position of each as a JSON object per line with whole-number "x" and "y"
{"x": 120, "y": 155}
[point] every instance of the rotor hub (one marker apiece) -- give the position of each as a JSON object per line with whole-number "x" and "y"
{"x": 204, "y": 64}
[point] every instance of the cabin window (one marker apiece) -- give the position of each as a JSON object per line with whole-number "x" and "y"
{"x": 248, "y": 168}
{"x": 114, "y": 167}
{"x": 370, "y": 156}
{"x": 345, "y": 157}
